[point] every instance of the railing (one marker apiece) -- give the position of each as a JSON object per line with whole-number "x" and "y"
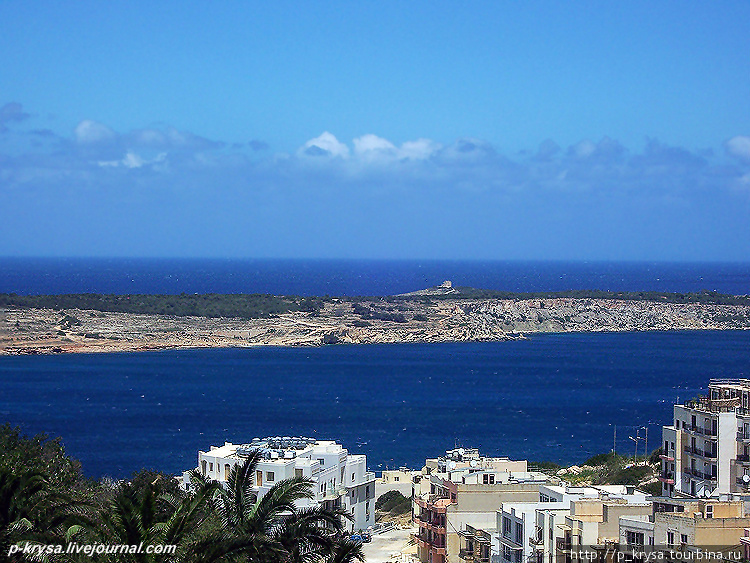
{"x": 432, "y": 543}
{"x": 562, "y": 544}
{"x": 474, "y": 556}
{"x": 719, "y": 405}
{"x": 667, "y": 477}
{"x": 700, "y": 474}
{"x": 700, "y": 452}
{"x": 742, "y": 436}
{"x": 537, "y": 539}
{"x": 702, "y": 430}
{"x": 466, "y": 555}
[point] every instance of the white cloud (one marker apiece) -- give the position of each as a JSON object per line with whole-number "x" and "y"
{"x": 90, "y": 132}
{"x": 739, "y": 147}
{"x": 584, "y": 149}
{"x": 421, "y": 149}
{"x": 325, "y": 145}
{"x": 132, "y": 160}
{"x": 371, "y": 146}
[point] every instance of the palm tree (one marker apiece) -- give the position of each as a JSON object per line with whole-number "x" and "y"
{"x": 31, "y": 510}
{"x": 19, "y": 494}
{"x": 346, "y": 551}
{"x": 271, "y": 528}
{"x": 132, "y": 518}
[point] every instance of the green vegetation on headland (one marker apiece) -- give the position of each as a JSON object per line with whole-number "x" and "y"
{"x": 46, "y": 502}
{"x": 610, "y": 469}
{"x": 251, "y": 306}
{"x": 703, "y": 297}
{"x": 246, "y": 306}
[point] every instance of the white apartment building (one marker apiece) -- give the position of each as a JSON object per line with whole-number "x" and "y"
{"x": 339, "y": 479}
{"x": 707, "y": 448}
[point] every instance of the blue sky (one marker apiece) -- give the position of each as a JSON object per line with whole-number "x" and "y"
{"x": 479, "y": 130}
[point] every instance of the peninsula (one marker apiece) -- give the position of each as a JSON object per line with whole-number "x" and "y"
{"x": 112, "y": 323}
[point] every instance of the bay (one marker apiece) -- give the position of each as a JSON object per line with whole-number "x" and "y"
{"x": 551, "y": 397}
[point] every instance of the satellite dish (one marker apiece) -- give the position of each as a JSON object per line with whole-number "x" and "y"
{"x": 452, "y": 465}
{"x": 746, "y": 478}
{"x": 460, "y": 451}
{"x": 473, "y": 463}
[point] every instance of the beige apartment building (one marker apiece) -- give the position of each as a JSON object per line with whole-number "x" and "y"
{"x": 461, "y": 492}
{"x": 689, "y": 524}
{"x": 594, "y": 524}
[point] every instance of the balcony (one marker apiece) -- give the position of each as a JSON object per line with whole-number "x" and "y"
{"x": 473, "y": 556}
{"x": 563, "y": 544}
{"x": 717, "y": 405}
{"x": 743, "y": 436}
{"x": 429, "y": 503}
{"x": 699, "y": 474}
{"x": 466, "y": 555}
{"x": 666, "y": 477}
{"x": 435, "y": 543}
{"x": 703, "y": 431}
{"x": 666, "y": 457}
{"x": 700, "y": 453}
{"x": 537, "y": 538}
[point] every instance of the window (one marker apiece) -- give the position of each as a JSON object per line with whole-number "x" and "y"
{"x": 506, "y": 526}
{"x": 298, "y": 473}
{"x": 683, "y": 539}
{"x": 670, "y": 539}
{"x": 367, "y": 492}
{"x": 709, "y": 511}
{"x": 321, "y": 461}
{"x": 488, "y": 479}
{"x": 353, "y": 479}
{"x": 269, "y": 476}
{"x": 634, "y": 538}
{"x": 396, "y": 479}
{"x": 519, "y": 533}
{"x": 506, "y": 553}
{"x": 210, "y": 466}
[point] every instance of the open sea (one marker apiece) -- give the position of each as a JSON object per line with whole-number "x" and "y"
{"x": 558, "y": 397}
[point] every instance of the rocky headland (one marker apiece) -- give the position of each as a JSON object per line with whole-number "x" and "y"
{"x": 361, "y": 321}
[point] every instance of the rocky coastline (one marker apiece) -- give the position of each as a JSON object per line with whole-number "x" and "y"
{"x": 48, "y": 331}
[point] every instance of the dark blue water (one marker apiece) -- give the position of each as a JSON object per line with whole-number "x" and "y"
{"x": 552, "y": 397}
{"x": 357, "y": 277}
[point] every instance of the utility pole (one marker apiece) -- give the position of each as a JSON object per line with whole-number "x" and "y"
{"x": 614, "y": 442}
